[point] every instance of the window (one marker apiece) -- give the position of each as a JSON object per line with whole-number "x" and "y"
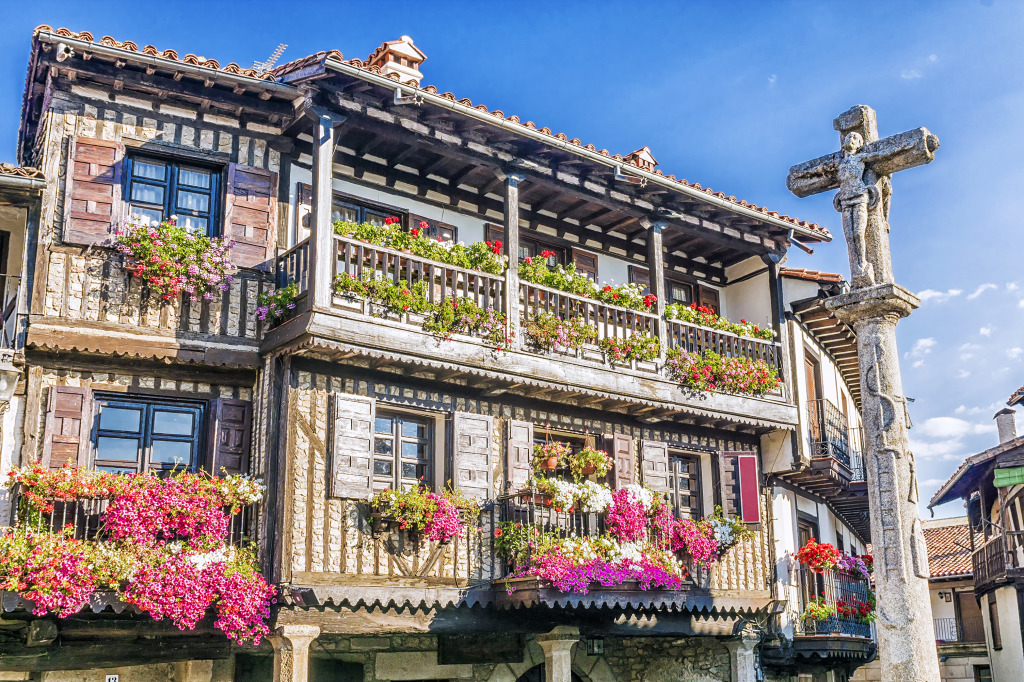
{"x": 136, "y": 434}
{"x": 158, "y": 189}
{"x": 840, "y": 545}
{"x": 530, "y": 248}
{"x": 709, "y": 297}
{"x": 642, "y": 276}
{"x": 982, "y": 673}
{"x": 685, "y": 486}
{"x": 993, "y": 621}
{"x": 356, "y": 213}
{"x": 678, "y": 292}
{"x": 435, "y": 228}
{"x": 402, "y": 450}
{"x": 586, "y": 263}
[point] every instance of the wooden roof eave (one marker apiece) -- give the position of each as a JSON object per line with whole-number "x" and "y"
{"x": 607, "y": 164}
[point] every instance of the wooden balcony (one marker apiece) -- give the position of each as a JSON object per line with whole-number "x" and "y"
{"x": 351, "y": 326}
{"x": 1000, "y": 559}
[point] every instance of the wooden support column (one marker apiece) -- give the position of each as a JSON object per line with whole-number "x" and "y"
{"x": 321, "y": 232}
{"x": 291, "y": 651}
{"x": 557, "y": 646}
{"x": 512, "y": 181}
{"x": 656, "y": 276}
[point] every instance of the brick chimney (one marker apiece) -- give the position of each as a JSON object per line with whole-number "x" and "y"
{"x": 1006, "y": 422}
{"x": 642, "y": 158}
{"x": 399, "y": 57}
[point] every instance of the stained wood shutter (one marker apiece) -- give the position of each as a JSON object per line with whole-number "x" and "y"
{"x": 621, "y": 450}
{"x": 230, "y": 436}
{"x": 641, "y": 276}
{"x": 741, "y": 487}
{"x": 709, "y": 297}
{"x": 352, "y": 448}
{"x": 434, "y": 229}
{"x": 586, "y": 263}
{"x": 250, "y": 215}
{"x": 519, "y": 452}
{"x": 68, "y": 427}
{"x": 654, "y": 466}
{"x": 471, "y": 456}
{"x": 303, "y": 210}
{"x": 92, "y": 200}
{"x": 494, "y": 233}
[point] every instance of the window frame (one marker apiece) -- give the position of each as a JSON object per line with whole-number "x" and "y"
{"x": 171, "y": 185}
{"x": 995, "y": 631}
{"x": 536, "y": 246}
{"x": 695, "y": 492}
{"x": 146, "y": 433}
{"x": 429, "y": 441}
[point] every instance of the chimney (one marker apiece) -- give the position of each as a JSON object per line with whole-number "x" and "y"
{"x": 642, "y": 158}
{"x": 399, "y": 58}
{"x": 1006, "y": 422}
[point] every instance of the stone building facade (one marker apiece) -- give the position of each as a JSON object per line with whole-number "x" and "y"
{"x": 283, "y": 154}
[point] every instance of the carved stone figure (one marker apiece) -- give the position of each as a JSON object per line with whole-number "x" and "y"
{"x": 860, "y": 171}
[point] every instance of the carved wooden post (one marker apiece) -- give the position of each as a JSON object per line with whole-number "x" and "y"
{"x": 291, "y": 651}
{"x": 321, "y": 233}
{"x": 656, "y": 277}
{"x": 512, "y": 181}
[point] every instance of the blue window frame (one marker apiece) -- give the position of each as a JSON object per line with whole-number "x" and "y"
{"x": 160, "y": 188}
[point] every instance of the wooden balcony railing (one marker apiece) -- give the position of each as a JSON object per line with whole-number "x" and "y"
{"x": 835, "y": 587}
{"x": 696, "y": 339}
{"x": 293, "y": 266}
{"x": 1001, "y": 554}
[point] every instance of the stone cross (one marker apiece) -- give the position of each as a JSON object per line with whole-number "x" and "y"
{"x": 860, "y": 171}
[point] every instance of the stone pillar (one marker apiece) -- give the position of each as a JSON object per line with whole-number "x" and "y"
{"x": 512, "y": 181}
{"x": 906, "y": 641}
{"x": 291, "y": 651}
{"x": 742, "y": 661}
{"x": 321, "y": 231}
{"x": 557, "y": 646}
{"x": 656, "y": 276}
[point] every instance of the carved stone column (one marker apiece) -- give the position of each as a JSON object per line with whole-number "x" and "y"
{"x": 906, "y": 641}
{"x": 321, "y": 233}
{"x": 557, "y": 646}
{"x": 742, "y": 661}
{"x": 291, "y": 651}
{"x": 512, "y": 181}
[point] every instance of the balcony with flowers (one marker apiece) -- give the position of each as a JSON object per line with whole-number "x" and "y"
{"x": 179, "y": 548}
{"x": 539, "y": 319}
{"x": 568, "y": 537}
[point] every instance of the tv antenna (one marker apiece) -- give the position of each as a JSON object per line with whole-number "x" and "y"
{"x": 263, "y": 67}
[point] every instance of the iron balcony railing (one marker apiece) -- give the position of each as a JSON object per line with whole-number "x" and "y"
{"x": 835, "y": 590}
{"x": 964, "y": 629}
{"x": 84, "y": 518}
{"x": 830, "y": 435}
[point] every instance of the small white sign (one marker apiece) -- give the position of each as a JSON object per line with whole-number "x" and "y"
{"x": 113, "y": 678}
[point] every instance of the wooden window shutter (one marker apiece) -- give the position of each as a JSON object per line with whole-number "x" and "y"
{"x": 68, "y": 427}
{"x": 709, "y": 298}
{"x": 303, "y": 210}
{"x": 230, "y": 436}
{"x": 495, "y": 233}
{"x": 251, "y": 215}
{"x": 654, "y": 466}
{"x": 92, "y": 200}
{"x": 471, "y": 457}
{"x": 586, "y": 263}
{"x": 415, "y": 220}
{"x": 642, "y": 276}
{"x": 434, "y": 229}
{"x": 352, "y": 447}
{"x": 621, "y": 450}
{"x": 519, "y": 452}
{"x": 741, "y": 487}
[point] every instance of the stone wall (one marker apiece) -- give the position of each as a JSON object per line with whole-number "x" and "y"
{"x": 953, "y": 669}
{"x": 188, "y": 671}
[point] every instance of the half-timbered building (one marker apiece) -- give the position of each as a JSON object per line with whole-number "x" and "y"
{"x": 343, "y": 399}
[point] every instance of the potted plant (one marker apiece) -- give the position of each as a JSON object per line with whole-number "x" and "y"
{"x": 817, "y": 556}
{"x": 589, "y": 461}
{"x": 418, "y": 510}
{"x": 550, "y": 455}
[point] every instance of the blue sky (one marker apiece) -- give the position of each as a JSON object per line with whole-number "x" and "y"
{"x": 726, "y": 94}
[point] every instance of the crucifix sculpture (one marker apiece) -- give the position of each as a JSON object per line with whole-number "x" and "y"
{"x": 860, "y": 172}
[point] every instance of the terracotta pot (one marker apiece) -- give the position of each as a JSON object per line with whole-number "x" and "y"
{"x": 538, "y": 499}
{"x": 589, "y": 470}
{"x": 549, "y": 464}
{"x": 379, "y": 523}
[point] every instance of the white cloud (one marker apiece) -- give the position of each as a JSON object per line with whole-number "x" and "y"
{"x": 985, "y": 331}
{"x": 951, "y": 428}
{"x": 1015, "y": 352}
{"x": 940, "y": 296}
{"x": 772, "y": 80}
{"x": 1012, "y": 286}
{"x": 980, "y": 290}
{"x": 1021, "y": 304}
{"x": 962, "y": 374}
{"x": 910, "y": 74}
{"x": 967, "y": 350}
{"x": 960, "y": 410}
{"x": 933, "y": 58}
{"x": 922, "y": 347}
{"x": 943, "y": 449}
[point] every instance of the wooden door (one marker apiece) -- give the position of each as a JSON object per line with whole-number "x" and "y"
{"x": 814, "y": 411}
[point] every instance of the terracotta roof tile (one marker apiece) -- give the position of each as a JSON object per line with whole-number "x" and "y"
{"x": 949, "y": 542}
{"x": 1016, "y": 397}
{"x": 810, "y": 275}
{"x": 172, "y": 55}
{"x": 21, "y": 171}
